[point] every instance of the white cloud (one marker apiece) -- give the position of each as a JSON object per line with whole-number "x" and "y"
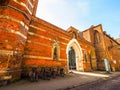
{"x": 63, "y": 13}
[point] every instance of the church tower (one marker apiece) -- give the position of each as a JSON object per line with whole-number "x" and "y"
{"x": 15, "y": 17}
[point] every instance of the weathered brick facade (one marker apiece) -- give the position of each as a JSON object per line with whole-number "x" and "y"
{"x": 15, "y": 17}
{"x": 43, "y": 37}
{"x": 27, "y": 41}
{"x": 105, "y": 47}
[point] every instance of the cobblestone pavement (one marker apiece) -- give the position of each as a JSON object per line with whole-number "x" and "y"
{"x": 69, "y": 81}
{"x": 104, "y": 84}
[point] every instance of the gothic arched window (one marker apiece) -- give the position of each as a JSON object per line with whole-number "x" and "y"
{"x": 55, "y": 55}
{"x": 96, "y": 37}
{"x": 56, "y": 50}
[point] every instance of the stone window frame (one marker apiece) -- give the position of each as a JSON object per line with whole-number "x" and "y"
{"x": 55, "y": 50}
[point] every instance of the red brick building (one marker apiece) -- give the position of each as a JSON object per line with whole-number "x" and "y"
{"x": 15, "y": 17}
{"x": 105, "y": 47}
{"x": 27, "y": 41}
{"x": 49, "y": 46}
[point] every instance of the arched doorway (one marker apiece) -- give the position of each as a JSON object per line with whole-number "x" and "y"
{"x": 74, "y": 56}
{"x": 72, "y": 59}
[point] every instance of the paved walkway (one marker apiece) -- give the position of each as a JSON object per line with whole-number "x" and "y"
{"x": 70, "y": 80}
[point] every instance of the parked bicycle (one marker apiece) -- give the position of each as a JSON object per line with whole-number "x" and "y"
{"x": 33, "y": 74}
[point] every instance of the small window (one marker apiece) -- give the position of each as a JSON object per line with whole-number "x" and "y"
{"x": 55, "y": 55}
{"x": 56, "y": 50}
{"x": 74, "y": 35}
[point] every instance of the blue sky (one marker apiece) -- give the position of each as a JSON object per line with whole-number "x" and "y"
{"x": 81, "y": 14}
